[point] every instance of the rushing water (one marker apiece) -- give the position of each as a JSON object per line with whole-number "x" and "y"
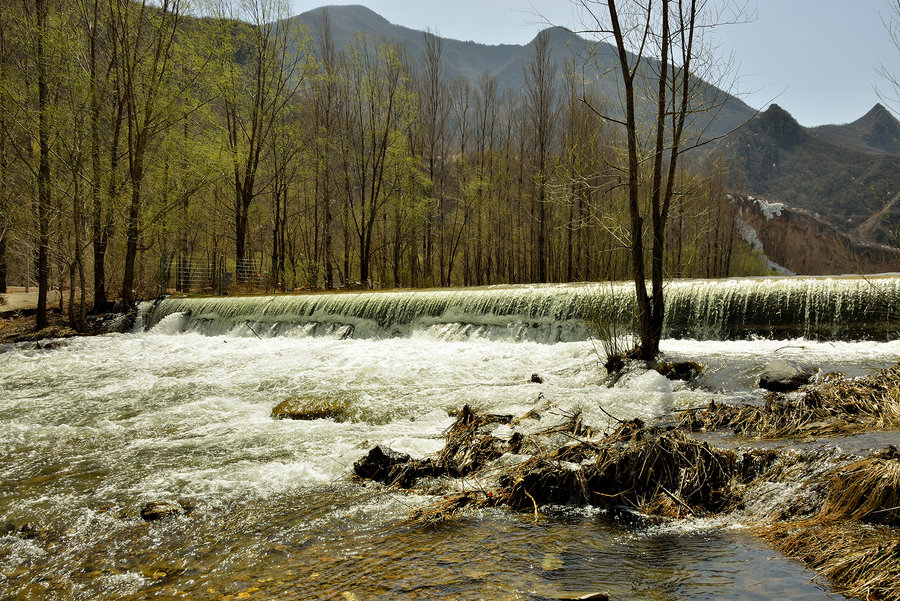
{"x": 100, "y": 426}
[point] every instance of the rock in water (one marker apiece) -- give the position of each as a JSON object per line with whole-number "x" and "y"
{"x": 308, "y": 408}
{"x": 158, "y": 510}
{"x": 785, "y": 376}
{"x": 379, "y": 464}
{"x": 682, "y": 370}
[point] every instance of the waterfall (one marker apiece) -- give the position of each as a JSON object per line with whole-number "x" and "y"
{"x": 818, "y": 308}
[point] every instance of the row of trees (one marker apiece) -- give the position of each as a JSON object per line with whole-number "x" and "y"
{"x": 132, "y": 131}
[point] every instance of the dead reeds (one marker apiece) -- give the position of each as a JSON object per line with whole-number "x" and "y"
{"x": 867, "y": 490}
{"x": 834, "y": 406}
{"x": 842, "y": 523}
{"x": 853, "y": 540}
{"x": 859, "y": 561}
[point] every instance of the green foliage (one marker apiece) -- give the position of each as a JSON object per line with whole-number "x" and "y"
{"x": 323, "y": 167}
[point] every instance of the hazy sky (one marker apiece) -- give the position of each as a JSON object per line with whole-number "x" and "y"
{"x": 816, "y": 58}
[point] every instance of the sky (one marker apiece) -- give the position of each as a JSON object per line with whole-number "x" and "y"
{"x": 818, "y": 59}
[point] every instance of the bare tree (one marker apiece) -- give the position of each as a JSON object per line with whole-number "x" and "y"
{"x": 43, "y": 182}
{"x": 658, "y": 50}
{"x": 4, "y": 158}
{"x": 325, "y": 98}
{"x": 892, "y": 25}
{"x": 434, "y": 113}
{"x": 377, "y": 106}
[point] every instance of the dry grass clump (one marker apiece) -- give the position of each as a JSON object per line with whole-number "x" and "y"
{"x": 834, "y": 406}
{"x": 867, "y": 490}
{"x": 847, "y": 526}
{"x": 654, "y": 470}
{"x": 467, "y": 449}
{"x": 859, "y": 561}
{"x": 874, "y": 399}
{"x": 853, "y": 540}
{"x": 449, "y": 508}
{"x": 667, "y": 473}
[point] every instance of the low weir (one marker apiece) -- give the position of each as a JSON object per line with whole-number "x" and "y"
{"x": 816, "y": 308}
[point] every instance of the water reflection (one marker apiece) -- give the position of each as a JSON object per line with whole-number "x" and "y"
{"x": 349, "y": 542}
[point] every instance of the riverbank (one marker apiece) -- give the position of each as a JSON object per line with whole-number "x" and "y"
{"x": 17, "y": 319}
{"x": 17, "y": 310}
{"x": 18, "y": 326}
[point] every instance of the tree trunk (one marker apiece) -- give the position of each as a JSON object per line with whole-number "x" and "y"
{"x": 132, "y": 233}
{"x": 43, "y": 180}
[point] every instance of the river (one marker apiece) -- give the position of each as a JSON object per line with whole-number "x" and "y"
{"x": 100, "y": 426}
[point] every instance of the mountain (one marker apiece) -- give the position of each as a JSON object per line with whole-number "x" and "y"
{"x": 798, "y": 241}
{"x": 506, "y": 62}
{"x": 843, "y": 180}
{"x": 876, "y": 132}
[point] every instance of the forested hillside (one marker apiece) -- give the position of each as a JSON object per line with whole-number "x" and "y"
{"x": 145, "y": 149}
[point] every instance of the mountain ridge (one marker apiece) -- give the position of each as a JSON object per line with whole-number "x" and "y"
{"x": 848, "y": 184}
{"x": 506, "y": 61}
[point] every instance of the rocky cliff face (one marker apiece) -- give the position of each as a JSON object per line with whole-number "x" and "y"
{"x": 802, "y": 243}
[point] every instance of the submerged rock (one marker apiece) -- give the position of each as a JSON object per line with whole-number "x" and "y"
{"x": 27, "y": 531}
{"x": 785, "y": 376}
{"x": 158, "y": 510}
{"x": 680, "y": 370}
{"x": 308, "y": 408}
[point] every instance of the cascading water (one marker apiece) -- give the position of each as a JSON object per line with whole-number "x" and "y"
{"x": 180, "y": 410}
{"x": 816, "y": 308}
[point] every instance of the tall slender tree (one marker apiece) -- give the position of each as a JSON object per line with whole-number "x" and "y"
{"x": 541, "y": 100}
{"x": 377, "y": 111}
{"x": 264, "y": 65}
{"x": 658, "y": 46}
{"x": 144, "y": 36}
{"x": 5, "y": 184}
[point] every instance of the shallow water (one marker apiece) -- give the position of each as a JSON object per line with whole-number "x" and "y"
{"x": 97, "y": 428}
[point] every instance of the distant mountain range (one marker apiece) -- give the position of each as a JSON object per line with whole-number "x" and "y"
{"x": 846, "y": 177}
{"x": 506, "y": 62}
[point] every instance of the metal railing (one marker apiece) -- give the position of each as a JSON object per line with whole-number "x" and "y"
{"x": 211, "y": 276}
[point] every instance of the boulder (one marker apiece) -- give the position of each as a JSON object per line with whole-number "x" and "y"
{"x": 785, "y": 376}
